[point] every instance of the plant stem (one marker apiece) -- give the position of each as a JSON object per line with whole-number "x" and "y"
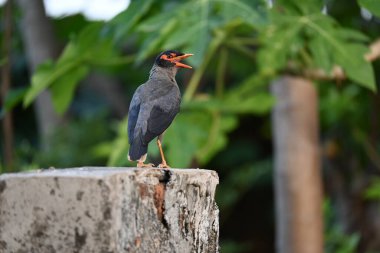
{"x": 194, "y": 82}
{"x": 220, "y": 75}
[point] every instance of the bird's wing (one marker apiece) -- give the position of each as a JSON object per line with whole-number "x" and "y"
{"x": 133, "y": 114}
{"x": 159, "y": 120}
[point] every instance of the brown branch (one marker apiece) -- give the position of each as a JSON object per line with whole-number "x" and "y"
{"x": 374, "y": 52}
{"x": 337, "y": 73}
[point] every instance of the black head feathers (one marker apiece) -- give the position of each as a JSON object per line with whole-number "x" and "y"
{"x": 164, "y": 58}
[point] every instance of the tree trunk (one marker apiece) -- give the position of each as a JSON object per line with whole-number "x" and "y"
{"x": 40, "y": 45}
{"x": 6, "y": 85}
{"x": 109, "y": 210}
{"x": 298, "y": 186}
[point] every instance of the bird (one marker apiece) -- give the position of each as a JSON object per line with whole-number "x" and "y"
{"x": 154, "y": 106}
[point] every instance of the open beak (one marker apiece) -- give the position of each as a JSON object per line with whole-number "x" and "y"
{"x": 176, "y": 61}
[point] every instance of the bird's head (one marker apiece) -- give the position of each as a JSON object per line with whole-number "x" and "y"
{"x": 171, "y": 58}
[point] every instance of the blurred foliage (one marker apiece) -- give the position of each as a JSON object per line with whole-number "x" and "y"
{"x": 239, "y": 46}
{"x": 73, "y": 140}
{"x": 72, "y": 145}
{"x": 292, "y": 32}
{"x": 233, "y": 247}
{"x": 336, "y": 241}
{"x": 299, "y": 37}
{"x": 95, "y": 46}
{"x": 373, "y": 191}
{"x": 372, "y": 5}
{"x": 237, "y": 184}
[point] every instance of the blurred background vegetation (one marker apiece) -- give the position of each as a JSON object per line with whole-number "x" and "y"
{"x": 239, "y": 47}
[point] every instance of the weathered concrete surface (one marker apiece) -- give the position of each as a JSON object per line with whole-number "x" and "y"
{"x": 109, "y": 210}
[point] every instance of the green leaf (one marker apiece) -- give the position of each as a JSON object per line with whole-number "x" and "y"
{"x": 291, "y": 38}
{"x": 373, "y": 191}
{"x": 63, "y": 89}
{"x": 321, "y": 26}
{"x": 124, "y": 22}
{"x": 259, "y": 103}
{"x": 278, "y": 41}
{"x": 87, "y": 49}
{"x": 240, "y": 181}
{"x": 217, "y": 136}
{"x": 372, "y": 5}
{"x": 186, "y": 140}
{"x": 305, "y": 7}
{"x": 3, "y": 60}
{"x": 192, "y": 25}
{"x": 181, "y": 37}
{"x": 236, "y": 9}
{"x": 13, "y": 98}
{"x": 347, "y": 54}
{"x": 120, "y": 146}
{"x": 350, "y": 34}
{"x": 183, "y": 138}
{"x": 85, "y": 41}
{"x": 45, "y": 75}
{"x": 154, "y": 23}
{"x": 156, "y": 44}
{"x": 320, "y": 51}
{"x": 356, "y": 67}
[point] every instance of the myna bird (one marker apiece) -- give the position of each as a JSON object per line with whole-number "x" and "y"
{"x": 154, "y": 106}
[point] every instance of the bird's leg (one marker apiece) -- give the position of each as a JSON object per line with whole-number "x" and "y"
{"x": 163, "y": 163}
{"x": 141, "y": 164}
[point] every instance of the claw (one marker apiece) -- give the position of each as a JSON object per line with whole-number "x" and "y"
{"x": 143, "y": 165}
{"x": 163, "y": 165}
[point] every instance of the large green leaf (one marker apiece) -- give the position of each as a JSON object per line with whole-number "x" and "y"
{"x": 157, "y": 41}
{"x": 217, "y": 136}
{"x": 237, "y": 9}
{"x": 357, "y": 68}
{"x": 304, "y": 7}
{"x": 278, "y": 41}
{"x": 345, "y": 52}
{"x": 351, "y": 35}
{"x": 63, "y": 89}
{"x": 313, "y": 41}
{"x": 45, "y": 75}
{"x": 320, "y": 51}
{"x": 119, "y": 147}
{"x": 197, "y": 134}
{"x": 373, "y": 191}
{"x": 184, "y": 137}
{"x": 181, "y": 37}
{"x": 126, "y": 20}
{"x": 372, "y": 5}
{"x": 191, "y": 25}
{"x": 87, "y": 49}
{"x": 13, "y": 98}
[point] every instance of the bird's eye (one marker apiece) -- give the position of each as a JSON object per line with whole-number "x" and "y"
{"x": 169, "y": 56}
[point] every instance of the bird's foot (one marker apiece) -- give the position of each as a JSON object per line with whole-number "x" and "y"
{"x": 163, "y": 165}
{"x": 143, "y": 165}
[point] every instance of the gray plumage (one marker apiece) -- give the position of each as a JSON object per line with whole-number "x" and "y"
{"x": 153, "y": 107}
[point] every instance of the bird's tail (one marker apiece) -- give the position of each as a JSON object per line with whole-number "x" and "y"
{"x": 137, "y": 149}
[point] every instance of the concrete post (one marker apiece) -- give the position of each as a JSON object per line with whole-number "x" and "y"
{"x": 109, "y": 210}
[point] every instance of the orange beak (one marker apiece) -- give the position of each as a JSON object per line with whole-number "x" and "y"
{"x": 176, "y": 61}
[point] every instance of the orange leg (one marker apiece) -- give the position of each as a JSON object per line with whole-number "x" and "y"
{"x": 163, "y": 163}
